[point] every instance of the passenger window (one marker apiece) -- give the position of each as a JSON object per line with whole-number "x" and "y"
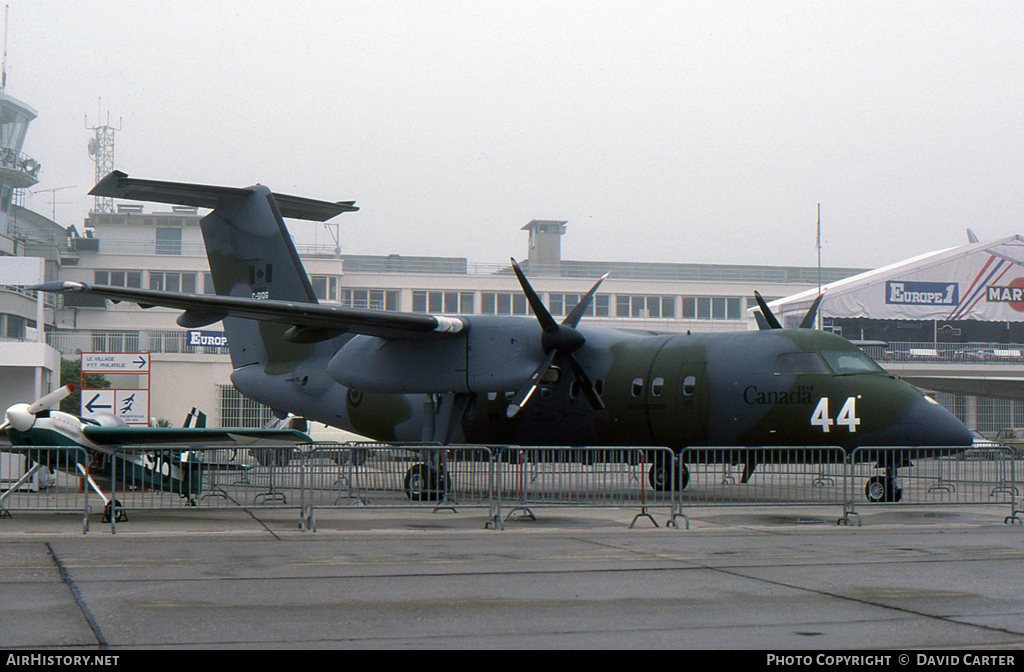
{"x": 656, "y": 386}
{"x": 638, "y": 386}
{"x": 574, "y": 389}
{"x": 793, "y": 363}
{"x": 689, "y": 385}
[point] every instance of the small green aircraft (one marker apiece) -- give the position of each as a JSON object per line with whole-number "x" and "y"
{"x": 505, "y": 380}
{"x": 87, "y": 447}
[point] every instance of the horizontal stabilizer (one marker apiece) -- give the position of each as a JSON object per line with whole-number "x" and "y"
{"x": 119, "y": 185}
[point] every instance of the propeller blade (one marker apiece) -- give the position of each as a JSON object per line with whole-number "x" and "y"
{"x": 585, "y": 384}
{"x": 766, "y": 312}
{"x": 812, "y": 312}
{"x": 573, "y": 318}
{"x": 4, "y": 426}
{"x": 543, "y": 316}
{"x": 50, "y": 400}
{"x": 762, "y": 324}
{"x": 524, "y": 394}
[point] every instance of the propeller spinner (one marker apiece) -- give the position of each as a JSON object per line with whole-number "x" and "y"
{"x": 22, "y": 416}
{"x": 558, "y": 340}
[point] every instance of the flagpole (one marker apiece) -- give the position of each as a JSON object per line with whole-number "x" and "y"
{"x": 817, "y": 318}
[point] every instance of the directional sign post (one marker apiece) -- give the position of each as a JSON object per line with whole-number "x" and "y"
{"x": 97, "y": 401}
{"x": 115, "y": 362}
{"x": 127, "y": 397}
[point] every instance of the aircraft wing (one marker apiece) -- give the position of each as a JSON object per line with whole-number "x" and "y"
{"x": 188, "y": 436}
{"x": 310, "y": 321}
{"x": 977, "y": 386}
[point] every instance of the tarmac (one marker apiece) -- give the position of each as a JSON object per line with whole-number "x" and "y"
{"x": 743, "y": 579}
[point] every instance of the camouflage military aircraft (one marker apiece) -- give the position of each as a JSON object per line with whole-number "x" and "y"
{"x": 89, "y": 447}
{"x": 399, "y": 376}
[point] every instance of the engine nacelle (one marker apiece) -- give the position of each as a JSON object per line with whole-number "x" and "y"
{"x": 489, "y": 355}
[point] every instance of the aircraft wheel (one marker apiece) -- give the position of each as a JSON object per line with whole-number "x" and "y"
{"x": 271, "y": 457}
{"x": 353, "y": 456}
{"x": 882, "y": 489}
{"x": 659, "y": 475}
{"x": 424, "y": 484}
{"x": 114, "y": 507}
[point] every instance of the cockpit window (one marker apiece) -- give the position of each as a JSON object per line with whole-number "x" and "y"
{"x": 850, "y": 361}
{"x": 793, "y": 363}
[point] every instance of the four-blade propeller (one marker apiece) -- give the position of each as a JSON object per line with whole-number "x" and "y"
{"x": 558, "y": 340}
{"x": 767, "y": 320}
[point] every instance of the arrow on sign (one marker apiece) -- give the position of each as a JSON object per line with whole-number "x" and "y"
{"x": 141, "y": 361}
{"x": 91, "y": 405}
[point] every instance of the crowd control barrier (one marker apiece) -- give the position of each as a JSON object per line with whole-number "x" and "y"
{"x": 66, "y": 470}
{"x": 507, "y": 481}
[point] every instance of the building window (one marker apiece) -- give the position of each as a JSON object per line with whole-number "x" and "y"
{"x": 325, "y": 287}
{"x": 173, "y": 282}
{"x": 446, "y": 303}
{"x": 504, "y": 303}
{"x": 15, "y": 327}
{"x": 712, "y": 308}
{"x": 645, "y": 306}
{"x": 718, "y": 308}
{"x": 168, "y": 241}
{"x": 374, "y": 299}
{"x": 563, "y": 304}
{"x": 119, "y": 278}
{"x": 239, "y": 411}
{"x": 703, "y": 307}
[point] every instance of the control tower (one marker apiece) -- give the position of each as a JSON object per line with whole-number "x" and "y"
{"x": 17, "y": 171}
{"x": 545, "y": 246}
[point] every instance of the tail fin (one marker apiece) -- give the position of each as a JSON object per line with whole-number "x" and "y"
{"x": 249, "y": 249}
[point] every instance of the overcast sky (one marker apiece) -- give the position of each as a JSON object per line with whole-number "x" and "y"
{"x": 662, "y": 131}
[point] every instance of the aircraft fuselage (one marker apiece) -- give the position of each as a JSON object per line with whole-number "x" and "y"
{"x": 765, "y": 388}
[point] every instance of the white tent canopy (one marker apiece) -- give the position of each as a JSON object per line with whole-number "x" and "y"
{"x": 978, "y": 281}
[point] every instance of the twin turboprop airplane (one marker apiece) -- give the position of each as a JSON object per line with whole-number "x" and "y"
{"x": 410, "y": 377}
{"x": 88, "y": 447}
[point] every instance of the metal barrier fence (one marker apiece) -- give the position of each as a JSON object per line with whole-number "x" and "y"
{"x": 67, "y": 492}
{"x": 940, "y": 477}
{"x": 613, "y": 476}
{"x": 788, "y": 475}
{"x": 363, "y": 474}
{"x": 509, "y": 480}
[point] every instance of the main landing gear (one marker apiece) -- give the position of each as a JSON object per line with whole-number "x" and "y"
{"x": 885, "y": 488}
{"x": 426, "y": 483}
{"x": 662, "y": 475}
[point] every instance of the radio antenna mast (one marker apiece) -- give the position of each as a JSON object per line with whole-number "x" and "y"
{"x": 101, "y": 148}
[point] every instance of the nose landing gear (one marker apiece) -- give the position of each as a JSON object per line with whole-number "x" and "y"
{"x": 885, "y": 488}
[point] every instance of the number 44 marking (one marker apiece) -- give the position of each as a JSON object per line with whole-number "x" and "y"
{"x": 847, "y": 415}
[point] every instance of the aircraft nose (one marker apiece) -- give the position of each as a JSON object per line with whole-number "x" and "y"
{"x": 929, "y": 424}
